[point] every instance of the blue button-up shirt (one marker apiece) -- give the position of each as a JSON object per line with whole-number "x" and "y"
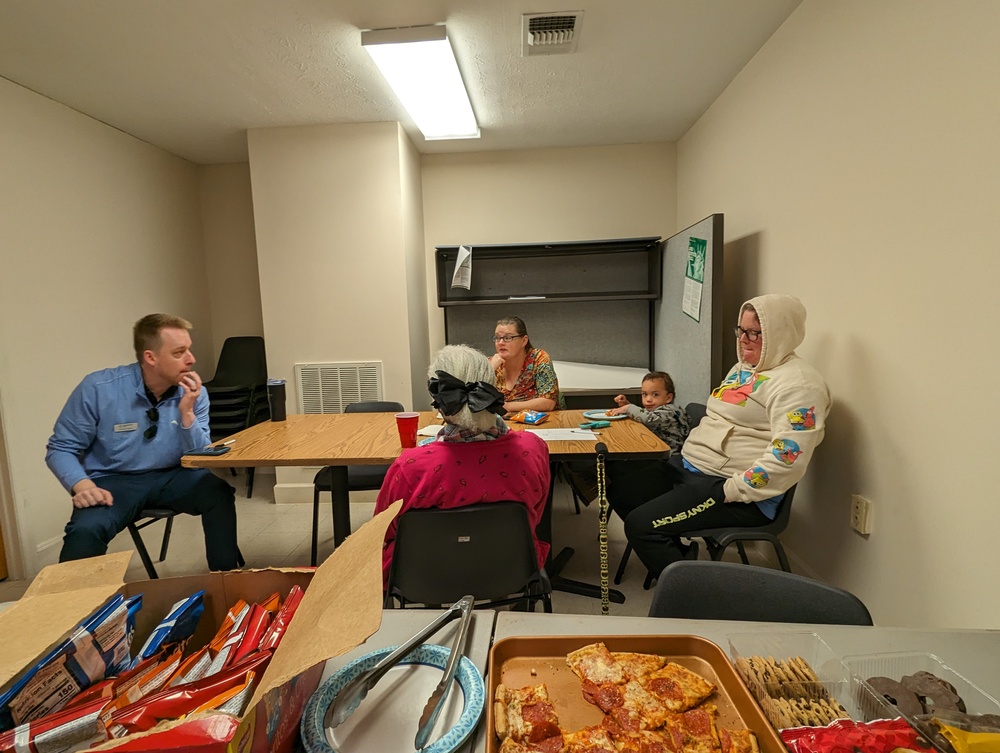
{"x": 101, "y": 428}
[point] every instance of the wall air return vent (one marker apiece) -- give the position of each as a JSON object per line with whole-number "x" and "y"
{"x": 328, "y": 387}
{"x": 550, "y": 33}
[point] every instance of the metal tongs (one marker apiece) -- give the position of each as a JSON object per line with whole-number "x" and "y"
{"x": 351, "y": 695}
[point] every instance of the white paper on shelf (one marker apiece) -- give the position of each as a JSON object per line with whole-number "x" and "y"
{"x": 462, "y": 278}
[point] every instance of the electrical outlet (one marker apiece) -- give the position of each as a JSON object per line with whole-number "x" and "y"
{"x": 861, "y": 514}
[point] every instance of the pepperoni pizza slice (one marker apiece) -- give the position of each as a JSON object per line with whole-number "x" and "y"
{"x": 694, "y": 731}
{"x": 737, "y": 741}
{"x": 677, "y": 687}
{"x": 589, "y": 740}
{"x": 526, "y": 715}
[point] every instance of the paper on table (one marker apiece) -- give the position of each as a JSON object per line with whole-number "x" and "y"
{"x": 563, "y": 435}
{"x": 462, "y": 278}
{"x": 431, "y": 430}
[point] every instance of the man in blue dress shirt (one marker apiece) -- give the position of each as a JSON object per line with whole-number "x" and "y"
{"x": 117, "y": 447}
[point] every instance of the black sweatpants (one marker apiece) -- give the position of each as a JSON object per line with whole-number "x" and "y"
{"x": 660, "y": 501}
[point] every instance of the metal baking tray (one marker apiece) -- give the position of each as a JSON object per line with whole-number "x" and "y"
{"x": 520, "y": 661}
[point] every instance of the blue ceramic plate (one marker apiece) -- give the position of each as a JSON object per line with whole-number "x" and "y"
{"x": 387, "y": 718}
{"x": 601, "y": 415}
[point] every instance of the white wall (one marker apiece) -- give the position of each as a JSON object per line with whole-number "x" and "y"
{"x": 527, "y": 196}
{"x": 857, "y": 162}
{"x": 98, "y": 230}
{"x": 230, "y": 253}
{"x": 332, "y": 239}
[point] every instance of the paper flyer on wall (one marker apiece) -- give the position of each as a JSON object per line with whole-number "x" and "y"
{"x": 694, "y": 277}
{"x": 463, "y": 269}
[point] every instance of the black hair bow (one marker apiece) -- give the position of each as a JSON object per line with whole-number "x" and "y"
{"x": 450, "y": 394}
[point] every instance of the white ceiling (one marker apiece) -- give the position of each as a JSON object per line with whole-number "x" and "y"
{"x": 190, "y": 76}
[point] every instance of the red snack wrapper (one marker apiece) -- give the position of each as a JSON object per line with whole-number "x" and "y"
{"x": 846, "y": 736}
{"x": 249, "y": 635}
{"x": 172, "y": 703}
{"x": 278, "y": 626}
{"x": 74, "y": 725}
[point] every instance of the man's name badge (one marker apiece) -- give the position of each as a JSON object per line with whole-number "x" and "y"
{"x": 126, "y": 427}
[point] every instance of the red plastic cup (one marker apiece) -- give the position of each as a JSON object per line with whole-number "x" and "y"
{"x": 406, "y": 424}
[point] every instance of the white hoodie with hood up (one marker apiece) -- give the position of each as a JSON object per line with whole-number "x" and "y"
{"x": 764, "y": 422}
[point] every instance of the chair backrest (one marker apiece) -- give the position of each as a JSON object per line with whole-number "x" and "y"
{"x": 485, "y": 550}
{"x": 706, "y": 590}
{"x": 695, "y": 412}
{"x": 374, "y": 406}
{"x": 241, "y": 362}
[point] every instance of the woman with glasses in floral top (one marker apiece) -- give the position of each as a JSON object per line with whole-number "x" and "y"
{"x": 524, "y": 373}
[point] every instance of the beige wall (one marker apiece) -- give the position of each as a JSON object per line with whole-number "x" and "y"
{"x": 528, "y": 196}
{"x": 332, "y": 251}
{"x": 230, "y": 252}
{"x": 857, "y": 162}
{"x": 98, "y": 230}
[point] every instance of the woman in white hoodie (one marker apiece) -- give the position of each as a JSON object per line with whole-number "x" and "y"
{"x": 762, "y": 426}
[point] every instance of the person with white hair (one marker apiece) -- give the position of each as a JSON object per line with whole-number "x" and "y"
{"x": 474, "y": 458}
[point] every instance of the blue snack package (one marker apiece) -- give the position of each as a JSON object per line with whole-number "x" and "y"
{"x": 97, "y": 648}
{"x": 180, "y": 623}
{"x": 529, "y": 417}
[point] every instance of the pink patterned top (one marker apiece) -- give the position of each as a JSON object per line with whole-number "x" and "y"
{"x": 514, "y": 466}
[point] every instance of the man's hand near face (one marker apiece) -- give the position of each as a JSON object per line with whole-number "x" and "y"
{"x": 190, "y": 385}
{"x": 88, "y": 494}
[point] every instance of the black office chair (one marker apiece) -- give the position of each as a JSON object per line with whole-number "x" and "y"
{"x": 729, "y": 591}
{"x": 360, "y": 478}
{"x": 485, "y": 550}
{"x": 146, "y": 518}
{"x": 238, "y": 392}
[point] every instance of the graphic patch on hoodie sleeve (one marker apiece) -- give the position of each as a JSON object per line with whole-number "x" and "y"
{"x": 756, "y": 477}
{"x": 785, "y": 450}
{"x": 803, "y": 419}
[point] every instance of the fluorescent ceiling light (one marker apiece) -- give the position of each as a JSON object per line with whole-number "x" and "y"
{"x": 420, "y": 66}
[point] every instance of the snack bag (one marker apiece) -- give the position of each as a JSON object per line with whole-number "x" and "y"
{"x": 530, "y": 417}
{"x": 180, "y": 623}
{"x": 846, "y": 736}
{"x": 98, "y": 648}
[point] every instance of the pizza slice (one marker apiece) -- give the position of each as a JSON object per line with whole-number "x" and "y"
{"x": 694, "y": 731}
{"x": 525, "y": 714}
{"x": 642, "y": 741}
{"x": 548, "y": 745}
{"x": 677, "y": 687}
{"x": 589, "y": 740}
{"x": 639, "y": 709}
{"x": 738, "y": 741}
{"x": 595, "y": 664}
{"x": 636, "y": 665}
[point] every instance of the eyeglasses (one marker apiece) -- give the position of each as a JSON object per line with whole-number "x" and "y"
{"x": 753, "y": 335}
{"x": 506, "y": 338}
{"x": 153, "y": 414}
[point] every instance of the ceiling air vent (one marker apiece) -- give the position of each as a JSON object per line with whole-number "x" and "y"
{"x": 550, "y": 33}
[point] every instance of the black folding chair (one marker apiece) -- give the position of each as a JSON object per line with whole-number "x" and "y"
{"x": 728, "y": 591}
{"x": 486, "y": 550}
{"x": 146, "y": 518}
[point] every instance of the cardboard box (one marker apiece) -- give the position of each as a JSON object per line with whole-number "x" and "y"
{"x": 341, "y": 608}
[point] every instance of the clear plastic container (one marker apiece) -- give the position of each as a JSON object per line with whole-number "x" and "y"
{"x": 835, "y": 680}
{"x": 896, "y": 665}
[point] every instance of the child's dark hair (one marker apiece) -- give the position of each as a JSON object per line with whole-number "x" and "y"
{"x": 668, "y": 383}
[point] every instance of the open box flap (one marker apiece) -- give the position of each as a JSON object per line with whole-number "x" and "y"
{"x": 60, "y": 598}
{"x": 341, "y": 608}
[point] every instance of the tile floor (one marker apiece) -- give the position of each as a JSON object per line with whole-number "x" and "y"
{"x": 273, "y": 535}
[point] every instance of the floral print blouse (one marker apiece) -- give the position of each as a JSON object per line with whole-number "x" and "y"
{"x": 537, "y": 379}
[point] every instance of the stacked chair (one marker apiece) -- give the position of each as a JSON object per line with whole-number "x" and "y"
{"x": 238, "y": 391}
